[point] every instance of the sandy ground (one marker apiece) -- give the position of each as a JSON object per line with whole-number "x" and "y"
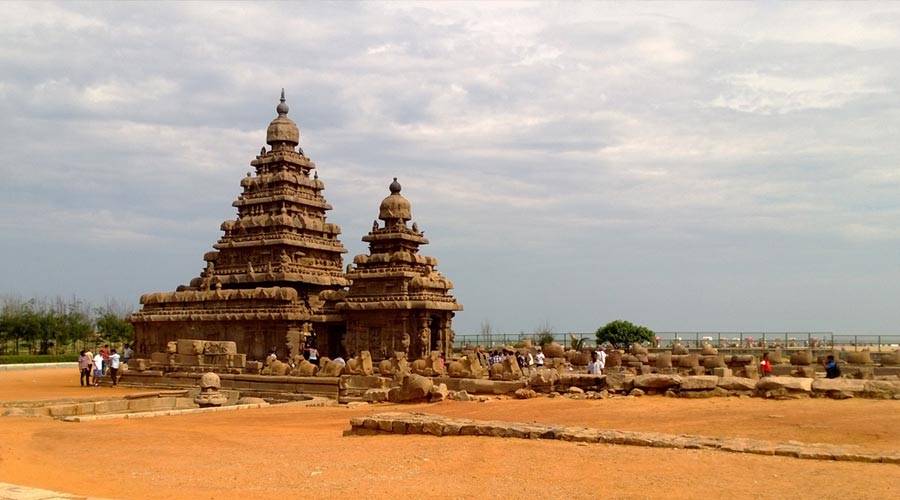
{"x": 286, "y": 451}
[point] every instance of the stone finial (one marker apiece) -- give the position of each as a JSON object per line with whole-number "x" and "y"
{"x": 282, "y": 107}
{"x": 395, "y": 187}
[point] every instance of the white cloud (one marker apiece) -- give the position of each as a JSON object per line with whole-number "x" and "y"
{"x": 566, "y": 144}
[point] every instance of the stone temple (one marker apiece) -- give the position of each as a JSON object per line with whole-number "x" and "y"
{"x": 276, "y": 278}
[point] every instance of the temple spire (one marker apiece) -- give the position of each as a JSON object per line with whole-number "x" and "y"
{"x": 282, "y": 107}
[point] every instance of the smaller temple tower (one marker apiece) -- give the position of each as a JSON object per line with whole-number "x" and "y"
{"x": 397, "y": 301}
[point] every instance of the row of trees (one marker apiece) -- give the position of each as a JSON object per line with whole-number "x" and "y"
{"x": 42, "y": 326}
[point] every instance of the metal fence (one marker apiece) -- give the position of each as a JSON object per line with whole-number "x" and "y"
{"x": 697, "y": 339}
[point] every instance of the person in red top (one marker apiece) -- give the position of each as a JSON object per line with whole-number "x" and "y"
{"x": 105, "y": 354}
{"x": 765, "y": 367}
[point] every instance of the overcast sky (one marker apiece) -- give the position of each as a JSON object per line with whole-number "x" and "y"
{"x": 712, "y": 166}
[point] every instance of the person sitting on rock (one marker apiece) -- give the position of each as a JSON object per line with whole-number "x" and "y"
{"x": 831, "y": 368}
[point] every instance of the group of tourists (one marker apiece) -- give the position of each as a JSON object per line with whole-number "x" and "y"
{"x": 527, "y": 361}
{"x": 105, "y": 362}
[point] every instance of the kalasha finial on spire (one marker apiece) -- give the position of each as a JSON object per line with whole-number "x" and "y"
{"x": 282, "y": 107}
{"x": 395, "y": 187}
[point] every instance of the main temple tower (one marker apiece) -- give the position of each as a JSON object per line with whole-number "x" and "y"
{"x": 261, "y": 286}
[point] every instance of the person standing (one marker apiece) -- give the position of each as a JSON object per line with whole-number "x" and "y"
{"x": 601, "y": 358}
{"x": 85, "y": 362}
{"x": 312, "y": 354}
{"x": 105, "y": 354}
{"x": 765, "y": 366}
{"x": 127, "y": 352}
{"x": 98, "y": 368}
{"x": 114, "y": 366}
{"x": 539, "y": 358}
{"x": 593, "y": 367}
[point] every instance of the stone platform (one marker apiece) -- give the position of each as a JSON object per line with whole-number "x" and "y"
{"x": 435, "y": 425}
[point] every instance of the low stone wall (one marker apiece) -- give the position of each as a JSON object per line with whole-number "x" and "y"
{"x": 248, "y": 385}
{"x": 706, "y": 386}
{"x": 419, "y": 423}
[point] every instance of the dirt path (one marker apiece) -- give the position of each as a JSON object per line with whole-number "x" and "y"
{"x": 287, "y": 451}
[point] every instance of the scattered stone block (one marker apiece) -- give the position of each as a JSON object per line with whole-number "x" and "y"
{"x": 656, "y": 381}
{"x": 620, "y": 381}
{"x": 189, "y": 347}
{"x": 863, "y": 357}
{"x": 439, "y": 392}
{"x": 696, "y": 383}
{"x": 788, "y": 383}
{"x": 722, "y": 372}
{"x": 737, "y": 383}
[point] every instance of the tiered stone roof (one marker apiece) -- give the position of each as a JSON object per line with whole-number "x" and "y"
{"x": 394, "y": 275}
{"x": 280, "y": 236}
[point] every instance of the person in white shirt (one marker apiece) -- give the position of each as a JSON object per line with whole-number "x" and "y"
{"x": 601, "y": 357}
{"x": 98, "y": 369}
{"x": 114, "y": 366}
{"x": 593, "y": 367}
{"x": 539, "y": 358}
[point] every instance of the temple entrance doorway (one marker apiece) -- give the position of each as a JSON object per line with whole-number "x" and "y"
{"x": 435, "y": 333}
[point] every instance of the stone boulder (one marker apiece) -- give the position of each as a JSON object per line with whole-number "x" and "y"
{"x": 439, "y": 392}
{"x": 413, "y": 388}
{"x": 508, "y": 369}
{"x": 697, "y": 383}
{"x": 715, "y": 361}
{"x": 543, "y": 377}
{"x": 708, "y": 350}
{"x": 553, "y": 350}
{"x": 677, "y": 348}
{"x": 375, "y": 395}
{"x": 890, "y": 359}
{"x": 689, "y": 361}
{"x": 613, "y": 359}
{"x": 619, "y": 381}
{"x": 664, "y": 360}
{"x": 863, "y": 357}
{"x": 578, "y": 358}
{"x": 788, "y": 383}
{"x": 525, "y": 394}
{"x": 802, "y": 358}
{"x": 637, "y": 349}
{"x": 839, "y": 388}
{"x": 360, "y": 365}
{"x": 882, "y": 389}
{"x": 656, "y": 381}
{"x": 460, "y": 396}
{"x": 737, "y": 383}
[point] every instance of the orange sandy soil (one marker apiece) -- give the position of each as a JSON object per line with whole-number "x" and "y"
{"x": 287, "y": 452}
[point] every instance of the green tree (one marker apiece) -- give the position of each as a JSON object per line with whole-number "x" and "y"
{"x": 620, "y": 332}
{"x": 113, "y": 326}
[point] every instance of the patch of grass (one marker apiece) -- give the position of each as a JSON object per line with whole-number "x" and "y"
{"x": 20, "y": 359}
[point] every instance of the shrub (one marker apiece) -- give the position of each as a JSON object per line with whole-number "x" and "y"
{"x": 620, "y": 332}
